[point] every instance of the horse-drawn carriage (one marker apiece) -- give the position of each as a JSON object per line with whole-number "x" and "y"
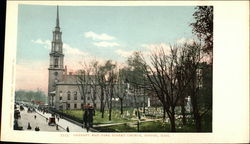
{"x": 52, "y": 121}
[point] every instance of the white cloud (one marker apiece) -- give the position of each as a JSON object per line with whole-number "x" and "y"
{"x": 184, "y": 40}
{"x": 96, "y": 36}
{"x": 45, "y": 43}
{"x": 149, "y": 48}
{"x": 124, "y": 53}
{"x": 105, "y": 44}
{"x": 68, "y": 50}
{"x": 73, "y": 57}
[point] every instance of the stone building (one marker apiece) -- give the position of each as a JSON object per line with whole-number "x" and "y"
{"x": 64, "y": 92}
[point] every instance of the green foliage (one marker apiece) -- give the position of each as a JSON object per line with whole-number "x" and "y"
{"x": 205, "y": 99}
{"x": 116, "y": 117}
{"x": 203, "y": 26}
{"x": 152, "y": 126}
{"x": 28, "y": 96}
{"x": 135, "y": 73}
{"x": 207, "y": 122}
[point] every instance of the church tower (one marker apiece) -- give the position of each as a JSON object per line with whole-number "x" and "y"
{"x": 56, "y": 67}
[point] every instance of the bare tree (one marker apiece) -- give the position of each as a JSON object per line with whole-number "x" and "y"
{"x": 110, "y": 81}
{"x": 94, "y": 81}
{"x": 82, "y": 80}
{"x": 165, "y": 74}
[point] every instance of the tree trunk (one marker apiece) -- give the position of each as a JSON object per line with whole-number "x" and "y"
{"x": 164, "y": 114}
{"x": 183, "y": 112}
{"x": 110, "y": 107}
{"x": 172, "y": 122}
{"x": 198, "y": 123}
{"x": 110, "y": 111}
{"x": 102, "y": 105}
{"x": 102, "y": 112}
{"x": 144, "y": 103}
{"x": 121, "y": 102}
{"x": 197, "y": 117}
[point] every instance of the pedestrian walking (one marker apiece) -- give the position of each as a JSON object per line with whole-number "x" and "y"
{"x": 29, "y": 127}
{"x": 58, "y": 119}
{"x": 67, "y": 129}
{"x": 57, "y": 127}
{"x": 85, "y": 118}
{"x": 37, "y": 129}
{"x": 35, "y": 116}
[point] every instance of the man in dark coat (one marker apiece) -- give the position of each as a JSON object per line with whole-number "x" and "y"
{"x": 85, "y": 118}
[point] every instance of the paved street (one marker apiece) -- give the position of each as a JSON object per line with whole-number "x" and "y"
{"x": 43, "y": 124}
{"x": 64, "y": 123}
{"x": 39, "y": 121}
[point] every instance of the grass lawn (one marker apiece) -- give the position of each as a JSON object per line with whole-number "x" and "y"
{"x": 153, "y": 126}
{"x": 116, "y": 117}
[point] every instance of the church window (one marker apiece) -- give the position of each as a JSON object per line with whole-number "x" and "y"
{"x": 60, "y": 98}
{"x": 56, "y": 62}
{"x": 56, "y": 47}
{"x": 60, "y": 107}
{"x": 75, "y": 96}
{"x": 68, "y": 106}
{"x": 75, "y": 105}
{"x": 68, "y": 95}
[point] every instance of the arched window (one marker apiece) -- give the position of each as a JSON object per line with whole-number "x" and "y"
{"x": 68, "y": 94}
{"x": 75, "y": 96}
{"x": 56, "y": 62}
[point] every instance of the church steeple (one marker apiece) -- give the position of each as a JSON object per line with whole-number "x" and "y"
{"x": 57, "y": 18}
{"x": 56, "y": 66}
{"x": 56, "y": 54}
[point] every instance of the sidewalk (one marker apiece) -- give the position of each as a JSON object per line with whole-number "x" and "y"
{"x": 64, "y": 123}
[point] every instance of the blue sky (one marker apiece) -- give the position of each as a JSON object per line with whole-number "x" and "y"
{"x": 100, "y": 32}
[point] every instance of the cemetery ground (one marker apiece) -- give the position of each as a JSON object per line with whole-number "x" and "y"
{"x": 151, "y": 121}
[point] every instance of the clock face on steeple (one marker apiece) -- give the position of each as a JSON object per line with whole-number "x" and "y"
{"x": 55, "y": 73}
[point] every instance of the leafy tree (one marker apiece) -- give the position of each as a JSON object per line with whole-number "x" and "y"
{"x": 203, "y": 27}
{"x": 201, "y": 97}
{"x": 121, "y": 89}
{"x": 28, "y": 96}
{"x": 136, "y": 77}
